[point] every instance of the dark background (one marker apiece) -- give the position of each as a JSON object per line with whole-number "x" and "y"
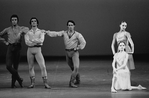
{"x": 97, "y": 20}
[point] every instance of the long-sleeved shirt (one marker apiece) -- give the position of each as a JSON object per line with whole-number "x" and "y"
{"x": 36, "y": 37}
{"x": 75, "y": 41}
{"x": 14, "y": 34}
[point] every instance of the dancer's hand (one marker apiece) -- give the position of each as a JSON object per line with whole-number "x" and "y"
{"x": 76, "y": 49}
{"x": 114, "y": 71}
{"x": 130, "y": 52}
{"x": 6, "y": 43}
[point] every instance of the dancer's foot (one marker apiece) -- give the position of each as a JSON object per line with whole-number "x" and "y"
{"x": 77, "y": 82}
{"x": 113, "y": 90}
{"x": 20, "y": 80}
{"x": 73, "y": 85}
{"x": 13, "y": 86}
{"x": 47, "y": 86}
{"x": 31, "y": 86}
{"x": 141, "y": 87}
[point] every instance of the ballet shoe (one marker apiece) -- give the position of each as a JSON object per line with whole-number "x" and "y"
{"x": 45, "y": 81}
{"x": 31, "y": 86}
{"x": 141, "y": 87}
{"x": 20, "y": 82}
{"x": 113, "y": 90}
{"x": 47, "y": 86}
{"x": 77, "y": 82}
{"x": 73, "y": 85}
{"x": 72, "y": 82}
{"x": 13, "y": 86}
{"x": 32, "y": 78}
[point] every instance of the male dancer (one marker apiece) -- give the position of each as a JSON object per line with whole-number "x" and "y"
{"x": 14, "y": 34}
{"x": 73, "y": 41}
{"x": 34, "y": 39}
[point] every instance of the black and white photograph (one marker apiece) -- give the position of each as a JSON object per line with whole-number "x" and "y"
{"x": 74, "y": 48}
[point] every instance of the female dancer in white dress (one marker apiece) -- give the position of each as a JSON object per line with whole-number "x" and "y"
{"x": 121, "y": 73}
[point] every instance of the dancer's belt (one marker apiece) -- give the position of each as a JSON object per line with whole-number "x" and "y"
{"x": 34, "y": 46}
{"x": 71, "y": 49}
{"x": 14, "y": 44}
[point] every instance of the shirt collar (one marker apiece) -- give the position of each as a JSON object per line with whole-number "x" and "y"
{"x": 15, "y": 27}
{"x": 35, "y": 30}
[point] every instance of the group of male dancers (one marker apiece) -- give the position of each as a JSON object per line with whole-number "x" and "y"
{"x": 34, "y": 39}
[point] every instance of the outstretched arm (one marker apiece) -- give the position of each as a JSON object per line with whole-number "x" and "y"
{"x": 54, "y": 33}
{"x": 24, "y": 29}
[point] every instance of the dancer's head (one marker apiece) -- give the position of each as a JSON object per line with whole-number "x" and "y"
{"x": 34, "y": 22}
{"x": 14, "y": 19}
{"x": 123, "y": 25}
{"x": 70, "y": 24}
{"x": 121, "y": 46}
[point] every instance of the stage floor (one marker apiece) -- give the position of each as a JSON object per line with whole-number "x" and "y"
{"x": 95, "y": 74}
